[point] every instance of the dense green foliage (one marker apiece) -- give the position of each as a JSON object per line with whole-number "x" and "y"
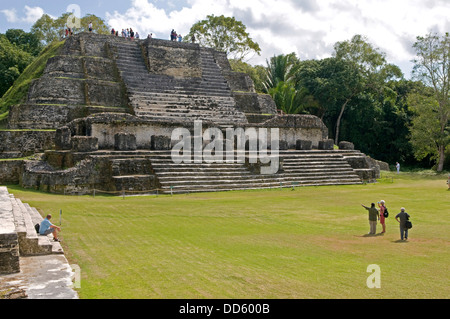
{"x": 18, "y": 93}
{"x": 431, "y": 128}
{"x": 13, "y": 60}
{"x": 363, "y": 99}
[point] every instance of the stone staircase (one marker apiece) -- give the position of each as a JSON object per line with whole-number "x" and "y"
{"x": 133, "y": 173}
{"x": 31, "y": 243}
{"x": 166, "y": 98}
{"x": 300, "y": 168}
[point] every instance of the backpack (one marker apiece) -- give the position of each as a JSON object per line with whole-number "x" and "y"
{"x": 408, "y": 224}
{"x": 37, "y": 227}
{"x": 386, "y": 213}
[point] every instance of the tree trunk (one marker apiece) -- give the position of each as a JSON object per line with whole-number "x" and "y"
{"x": 441, "y": 160}
{"x": 338, "y": 122}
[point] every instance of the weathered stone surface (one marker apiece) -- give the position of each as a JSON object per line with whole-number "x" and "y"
{"x": 25, "y": 142}
{"x": 160, "y": 142}
{"x": 383, "y": 165}
{"x": 84, "y": 143}
{"x": 45, "y": 116}
{"x": 255, "y": 103}
{"x": 9, "y": 245}
{"x": 10, "y": 171}
{"x": 303, "y": 145}
{"x": 239, "y": 81}
{"x": 63, "y": 138}
{"x": 326, "y": 144}
{"x": 344, "y": 145}
{"x": 125, "y": 142}
{"x": 173, "y": 58}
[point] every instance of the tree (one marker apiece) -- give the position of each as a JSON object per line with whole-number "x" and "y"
{"x": 26, "y": 41}
{"x": 224, "y": 34}
{"x": 256, "y": 73}
{"x": 281, "y": 68}
{"x": 432, "y": 67}
{"x": 288, "y": 98}
{"x": 49, "y": 30}
{"x": 333, "y": 82}
{"x": 45, "y": 29}
{"x": 371, "y": 66}
{"x": 13, "y": 61}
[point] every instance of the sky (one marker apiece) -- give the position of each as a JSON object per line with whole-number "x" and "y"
{"x": 310, "y": 28}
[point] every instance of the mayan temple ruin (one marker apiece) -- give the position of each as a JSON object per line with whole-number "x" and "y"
{"x": 102, "y": 117}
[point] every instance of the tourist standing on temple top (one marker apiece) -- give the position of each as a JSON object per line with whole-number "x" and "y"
{"x": 173, "y": 35}
{"x": 180, "y": 38}
{"x": 90, "y": 27}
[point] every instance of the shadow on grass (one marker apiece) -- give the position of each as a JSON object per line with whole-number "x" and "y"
{"x": 372, "y": 235}
{"x": 400, "y": 241}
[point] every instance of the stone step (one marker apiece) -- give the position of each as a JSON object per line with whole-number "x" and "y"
{"x": 204, "y": 92}
{"x": 134, "y": 182}
{"x": 207, "y": 114}
{"x": 238, "y": 186}
{"x": 226, "y": 188}
{"x": 30, "y": 243}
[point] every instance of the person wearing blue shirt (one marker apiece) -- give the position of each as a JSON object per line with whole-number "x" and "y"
{"x": 47, "y": 228}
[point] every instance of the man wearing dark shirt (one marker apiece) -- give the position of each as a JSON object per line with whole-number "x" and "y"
{"x": 374, "y": 215}
{"x": 402, "y": 217}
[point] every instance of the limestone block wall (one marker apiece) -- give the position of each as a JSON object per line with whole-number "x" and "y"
{"x": 9, "y": 243}
{"x": 175, "y": 59}
{"x": 88, "y": 174}
{"x": 25, "y": 142}
{"x": 10, "y": 171}
{"x": 298, "y": 127}
{"x": 255, "y": 103}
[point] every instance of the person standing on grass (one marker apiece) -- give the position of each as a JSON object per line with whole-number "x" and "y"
{"x": 402, "y": 217}
{"x": 382, "y": 206}
{"x": 374, "y": 215}
{"x": 48, "y": 228}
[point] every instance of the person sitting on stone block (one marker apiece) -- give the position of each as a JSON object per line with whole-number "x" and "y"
{"x": 48, "y": 228}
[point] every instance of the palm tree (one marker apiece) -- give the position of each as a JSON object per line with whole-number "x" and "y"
{"x": 281, "y": 68}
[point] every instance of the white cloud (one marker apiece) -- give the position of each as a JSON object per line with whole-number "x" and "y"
{"x": 308, "y": 27}
{"x": 32, "y": 14}
{"x": 11, "y": 15}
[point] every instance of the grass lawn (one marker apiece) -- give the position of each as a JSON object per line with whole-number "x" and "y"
{"x": 306, "y": 243}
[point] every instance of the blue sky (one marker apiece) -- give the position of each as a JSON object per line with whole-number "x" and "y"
{"x": 310, "y": 28}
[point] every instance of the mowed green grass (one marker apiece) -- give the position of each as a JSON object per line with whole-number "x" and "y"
{"x": 306, "y": 243}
